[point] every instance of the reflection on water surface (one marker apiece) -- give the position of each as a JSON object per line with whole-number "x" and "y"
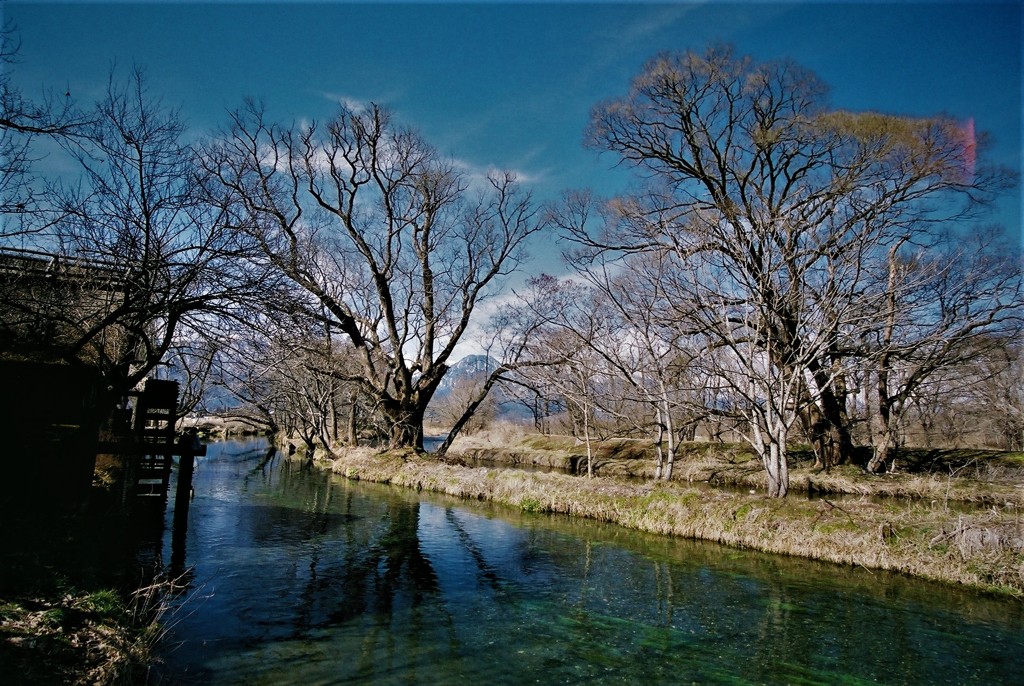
{"x": 301, "y": 577}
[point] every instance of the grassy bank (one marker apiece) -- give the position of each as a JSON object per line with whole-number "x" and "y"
{"x": 985, "y": 477}
{"x": 71, "y": 610}
{"x": 70, "y": 636}
{"x": 983, "y": 549}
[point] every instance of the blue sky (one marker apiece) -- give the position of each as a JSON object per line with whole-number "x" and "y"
{"x": 511, "y": 85}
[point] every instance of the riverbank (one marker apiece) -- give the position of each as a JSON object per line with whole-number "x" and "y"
{"x": 70, "y": 636}
{"x": 982, "y": 549}
{"x": 71, "y": 611}
{"x": 983, "y": 477}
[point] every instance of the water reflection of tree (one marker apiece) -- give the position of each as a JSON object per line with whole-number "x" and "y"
{"x": 406, "y": 585}
{"x": 381, "y": 565}
{"x": 486, "y": 573}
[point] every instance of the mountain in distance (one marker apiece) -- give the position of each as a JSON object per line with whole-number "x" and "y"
{"x": 477, "y": 368}
{"x": 474, "y": 367}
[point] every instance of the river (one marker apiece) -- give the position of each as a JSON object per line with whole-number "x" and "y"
{"x": 296, "y": 576}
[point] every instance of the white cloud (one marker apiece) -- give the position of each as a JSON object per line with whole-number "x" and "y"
{"x": 356, "y": 105}
{"x": 478, "y": 175}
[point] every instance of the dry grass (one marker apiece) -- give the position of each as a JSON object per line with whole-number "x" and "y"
{"x": 916, "y": 538}
{"x": 943, "y": 476}
{"x": 75, "y": 637}
{"x": 508, "y": 444}
{"x": 66, "y": 615}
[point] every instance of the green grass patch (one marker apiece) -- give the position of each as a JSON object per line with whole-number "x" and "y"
{"x": 529, "y": 504}
{"x": 106, "y": 604}
{"x": 743, "y": 511}
{"x": 839, "y": 526}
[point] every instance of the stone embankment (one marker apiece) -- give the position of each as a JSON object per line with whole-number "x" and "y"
{"x": 218, "y": 428}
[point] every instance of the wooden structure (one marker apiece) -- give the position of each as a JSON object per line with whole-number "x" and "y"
{"x": 57, "y": 411}
{"x": 153, "y": 430}
{"x": 150, "y": 444}
{"x": 49, "y": 420}
{"x": 49, "y": 302}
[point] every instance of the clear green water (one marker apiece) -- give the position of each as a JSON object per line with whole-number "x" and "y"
{"x": 298, "y": 577}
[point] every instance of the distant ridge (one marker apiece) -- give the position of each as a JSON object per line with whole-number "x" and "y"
{"x": 469, "y": 367}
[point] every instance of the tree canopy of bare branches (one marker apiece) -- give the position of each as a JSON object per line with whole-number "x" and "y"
{"x": 785, "y": 217}
{"x": 23, "y": 121}
{"x": 139, "y": 269}
{"x": 380, "y": 238}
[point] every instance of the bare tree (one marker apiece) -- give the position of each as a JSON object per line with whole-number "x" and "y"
{"x": 190, "y": 361}
{"x": 980, "y": 402}
{"x": 642, "y": 343}
{"x": 243, "y": 382}
{"x": 388, "y": 241}
{"x": 946, "y": 304}
{"x": 517, "y": 338}
{"x": 286, "y": 378}
{"x": 1001, "y": 392}
{"x": 577, "y": 378}
{"x": 539, "y": 400}
{"x": 23, "y": 121}
{"x": 137, "y": 222}
{"x": 450, "y": 408}
{"x": 782, "y": 212}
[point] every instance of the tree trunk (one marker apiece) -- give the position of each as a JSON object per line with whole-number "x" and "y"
{"x": 406, "y": 435}
{"x": 659, "y": 451}
{"x": 586, "y": 437}
{"x": 885, "y": 449}
{"x": 770, "y": 444}
{"x": 406, "y": 420}
{"x": 777, "y": 469}
{"x": 407, "y": 430}
{"x": 671, "y": 442}
{"x": 886, "y": 403}
{"x": 827, "y": 422}
{"x": 689, "y": 433}
{"x": 885, "y": 420}
{"x": 350, "y": 429}
{"x": 335, "y": 412}
{"x": 470, "y": 410}
{"x": 886, "y": 436}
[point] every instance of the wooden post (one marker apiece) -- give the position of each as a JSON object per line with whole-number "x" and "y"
{"x": 188, "y": 447}
{"x": 133, "y": 458}
{"x": 183, "y": 494}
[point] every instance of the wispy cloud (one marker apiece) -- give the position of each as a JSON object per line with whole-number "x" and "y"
{"x": 478, "y": 176}
{"x": 641, "y": 32}
{"x": 356, "y": 105}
